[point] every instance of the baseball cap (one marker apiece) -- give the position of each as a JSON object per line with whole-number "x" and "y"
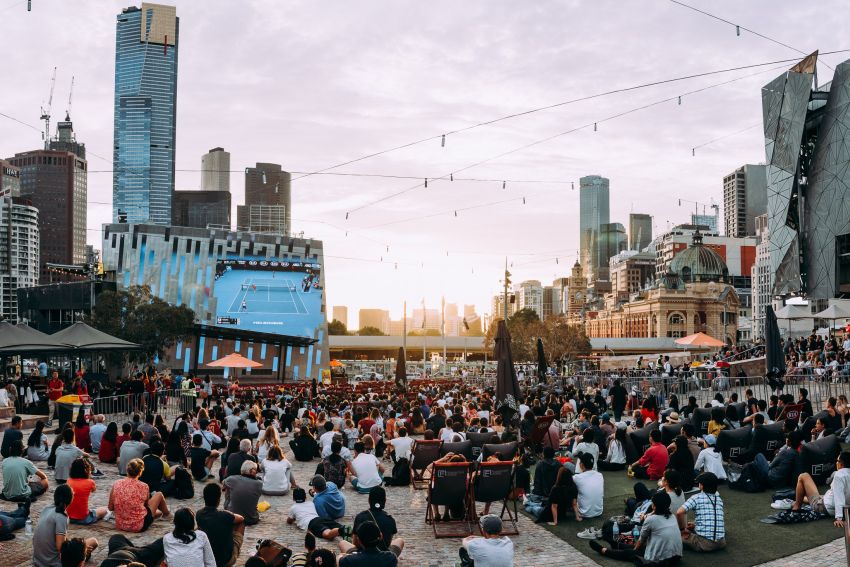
{"x": 490, "y": 524}
{"x": 318, "y": 482}
{"x": 710, "y": 439}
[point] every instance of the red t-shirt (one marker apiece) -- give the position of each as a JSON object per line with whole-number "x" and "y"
{"x": 120, "y": 441}
{"x": 57, "y": 384}
{"x": 82, "y": 439}
{"x": 656, "y": 459}
{"x": 108, "y": 453}
{"x": 78, "y": 509}
{"x": 365, "y": 425}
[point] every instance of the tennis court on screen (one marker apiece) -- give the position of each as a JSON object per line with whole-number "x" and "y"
{"x": 268, "y": 296}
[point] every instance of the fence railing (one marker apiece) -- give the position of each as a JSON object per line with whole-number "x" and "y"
{"x": 168, "y": 403}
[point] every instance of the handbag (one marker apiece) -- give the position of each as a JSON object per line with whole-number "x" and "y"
{"x": 273, "y": 553}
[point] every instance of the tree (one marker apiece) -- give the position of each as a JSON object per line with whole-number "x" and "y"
{"x": 561, "y": 341}
{"x": 337, "y": 327}
{"x": 371, "y": 332}
{"x": 427, "y": 333}
{"x": 524, "y": 327}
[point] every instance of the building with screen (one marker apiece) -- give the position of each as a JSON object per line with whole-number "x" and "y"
{"x": 145, "y": 107}
{"x": 259, "y": 295}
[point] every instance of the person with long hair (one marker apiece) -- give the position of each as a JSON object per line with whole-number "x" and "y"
{"x": 108, "y": 452}
{"x": 277, "y": 477}
{"x": 615, "y": 457}
{"x": 563, "y": 498}
{"x": 81, "y": 483}
{"x": 185, "y": 546}
{"x": 682, "y": 461}
{"x": 269, "y": 439}
{"x": 671, "y": 483}
{"x": 52, "y": 530}
{"x": 174, "y": 453}
{"x": 38, "y": 447}
{"x": 130, "y": 500}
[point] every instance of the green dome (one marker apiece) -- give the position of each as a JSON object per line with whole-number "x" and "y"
{"x": 697, "y": 263}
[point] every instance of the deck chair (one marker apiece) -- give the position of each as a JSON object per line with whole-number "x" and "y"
{"x": 494, "y": 482}
{"x": 771, "y": 440}
{"x": 423, "y": 454}
{"x": 508, "y": 451}
{"x": 792, "y": 412}
{"x": 459, "y": 448}
{"x": 449, "y": 486}
{"x": 538, "y": 432}
{"x": 479, "y": 439}
{"x": 818, "y": 457}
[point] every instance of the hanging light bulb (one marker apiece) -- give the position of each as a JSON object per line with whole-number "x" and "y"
{"x": 451, "y": 176}
{"x": 426, "y": 183}
{"x": 594, "y": 126}
{"x": 693, "y": 152}
{"x": 346, "y": 233}
{"x": 388, "y": 248}
{"x": 680, "y": 101}
{"x": 455, "y": 213}
{"x": 346, "y": 216}
{"x": 574, "y": 186}
{"x": 396, "y": 265}
{"x": 503, "y": 184}
{"x": 738, "y": 30}
{"x": 556, "y": 260}
{"x": 523, "y": 200}
{"x": 443, "y": 142}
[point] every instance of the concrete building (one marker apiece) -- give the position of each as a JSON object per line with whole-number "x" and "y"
{"x": 744, "y": 198}
{"x": 762, "y": 276}
{"x": 560, "y": 295}
{"x": 215, "y": 170}
{"x": 340, "y": 313}
{"x": 10, "y": 179}
{"x": 428, "y": 319}
{"x": 268, "y": 200}
{"x": 640, "y": 231}
{"x": 530, "y": 294}
{"x": 453, "y": 320}
{"x": 737, "y": 253}
{"x": 378, "y": 318}
{"x": 631, "y": 271}
{"x": 706, "y": 220}
{"x": 19, "y": 252}
{"x": 145, "y": 108}
{"x": 201, "y": 209}
{"x": 497, "y": 306}
{"x": 594, "y": 211}
{"x": 56, "y": 183}
{"x": 612, "y": 241}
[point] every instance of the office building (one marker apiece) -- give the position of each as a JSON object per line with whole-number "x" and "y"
{"x": 146, "y": 45}
{"x": 640, "y": 231}
{"x": 808, "y": 181}
{"x": 268, "y": 200}
{"x": 709, "y": 221}
{"x": 55, "y": 182}
{"x": 10, "y": 179}
{"x": 19, "y": 252}
{"x": 215, "y": 170}
{"x": 377, "y": 318}
{"x": 340, "y": 313}
{"x": 631, "y": 271}
{"x": 497, "y": 306}
{"x": 744, "y": 198}
{"x": 428, "y": 319}
{"x": 762, "y": 276}
{"x": 594, "y": 211}
{"x": 66, "y": 140}
{"x": 530, "y": 294}
{"x": 738, "y": 254}
{"x": 612, "y": 240}
{"x": 201, "y": 209}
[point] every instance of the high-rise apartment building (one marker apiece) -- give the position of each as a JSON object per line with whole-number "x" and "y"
{"x": 215, "y": 170}
{"x": 377, "y": 318}
{"x": 55, "y": 183}
{"x": 10, "y": 179}
{"x": 268, "y": 200}
{"x": 340, "y": 313}
{"x": 640, "y": 231}
{"x": 497, "y": 306}
{"x": 594, "y": 211}
{"x": 19, "y": 252}
{"x": 146, "y": 44}
{"x": 530, "y": 294}
{"x": 762, "y": 276}
{"x": 631, "y": 271}
{"x": 744, "y": 198}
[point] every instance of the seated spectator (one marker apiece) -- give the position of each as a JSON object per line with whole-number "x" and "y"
{"x": 38, "y": 447}
{"x": 186, "y": 547}
{"x": 819, "y": 431}
{"x": 654, "y": 461}
{"x": 326, "y": 438}
{"x": 330, "y": 503}
{"x": 121, "y": 552}
{"x": 202, "y": 459}
{"x": 366, "y": 550}
{"x": 587, "y": 445}
{"x": 491, "y": 549}
{"x": 562, "y": 499}
{"x": 209, "y": 440}
{"x": 126, "y": 429}
{"x": 778, "y": 472}
{"x": 303, "y": 514}
{"x": 708, "y": 531}
{"x": 224, "y": 529}
{"x": 135, "y": 508}
{"x": 52, "y": 530}
{"x": 66, "y": 454}
{"x": 710, "y": 459}
{"x": 81, "y": 433}
{"x": 334, "y": 466}
{"x": 157, "y": 473}
{"x": 615, "y": 455}
{"x": 304, "y": 446}
{"x": 377, "y": 514}
{"x": 96, "y": 431}
{"x": 81, "y": 483}
{"x": 277, "y": 473}
{"x": 13, "y": 520}
{"x": 591, "y": 488}
{"x": 366, "y": 470}
{"x": 400, "y": 446}
{"x": 836, "y": 497}
{"x": 682, "y": 461}
{"x": 717, "y": 422}
{"x": 12, "y": 434}
{"x": 134, "y": 448}
{"x": 242, "y": 493}
{"x": 108, "y": 452}
{"x": 235, "y": 460}
{"x": 74, "y": 552}
{"x": 17, "y": 484}
{"x": 269, "y": 439}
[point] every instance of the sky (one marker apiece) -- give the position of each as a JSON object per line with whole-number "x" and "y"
{"x": 313, "y": 84}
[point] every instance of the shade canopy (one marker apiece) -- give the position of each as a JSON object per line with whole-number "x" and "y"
{"x": 24, "y": 339}
{"x": 794, "y": 312}
{"x": 401, "y": 370}
{"x": 81, "y": 337}
{"x": 234, "y": 360}
{"x": 699, "y": 340}
{"x": 336, "y": 364}
{"x": 833, "y": 312}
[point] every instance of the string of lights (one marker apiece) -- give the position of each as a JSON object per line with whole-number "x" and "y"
{"x": 723, "y": 137}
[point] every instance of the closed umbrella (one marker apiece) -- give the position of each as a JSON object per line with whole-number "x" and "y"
{"x": 542, "y": 367}
{"x": 401, "y": 370}
{"x": 507, "y": 386}
{"x": 774, "y": 357}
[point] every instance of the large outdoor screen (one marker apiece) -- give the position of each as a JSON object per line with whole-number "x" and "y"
{"x": 269, "y": 295}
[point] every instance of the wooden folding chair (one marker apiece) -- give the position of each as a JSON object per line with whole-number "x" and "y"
{"x": 423, "y": 454}
{"x": 494, "y": 482}
{"x": 540, "y": 430}
{"x": 449, "y": 485}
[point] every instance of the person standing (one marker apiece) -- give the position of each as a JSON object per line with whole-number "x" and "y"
{"x": 619, "y": 397}
{"x": 54, "y": 392}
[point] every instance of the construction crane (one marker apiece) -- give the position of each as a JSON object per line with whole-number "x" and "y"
{"x": 712, "y": 205}
{"x": 70, "y": 97}
{"x": 45, "y": 112}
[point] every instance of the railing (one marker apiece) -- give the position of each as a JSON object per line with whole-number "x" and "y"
{"x": 168, "y": 403}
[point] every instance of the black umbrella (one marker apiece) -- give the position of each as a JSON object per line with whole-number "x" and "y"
{"x": 507, "y": 386}
{"x": 542, "y": 366}
{"x": 401, "y": 370}
{"x": 774, "y": 357}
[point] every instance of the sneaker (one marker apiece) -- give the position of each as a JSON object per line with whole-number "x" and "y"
{"x": 784, "y": 504}
{"x": 109, "y": 516}
{"x": 589, "y": 533}
{"x": 98, "y": 474}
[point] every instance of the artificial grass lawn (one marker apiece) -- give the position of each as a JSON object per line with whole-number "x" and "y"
{"x": 748, "y": 541}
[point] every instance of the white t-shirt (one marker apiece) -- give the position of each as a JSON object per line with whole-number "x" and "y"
{"x": 303, "y": 512}
{"x": 276, "y": 475}
{"x": 402, "y": 447}
{"x": 494, "y": 552}
{"x": 591, "y": 448}
{"x": 366, "y": 470}
{"x": 591, "y": 489}
{"x": 711, "y": 461}
{"x": 325, "y": 441}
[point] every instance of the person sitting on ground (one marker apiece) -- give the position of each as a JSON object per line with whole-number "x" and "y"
{"x": 134, "y": 448}
{"x": 682, "y": 461}
{"x": 17, "y": 484}
{"x": 267, "y": 441}
{"x": 126, "y": 429}
{"x": 202, "y": 460}
{"x": 545, "y": 474}
{"x": 366, "y": 470}
{"x": 819, "y": 431}
{"x": 108, "y": 452}
{"x": 377, "y": 514}
{"x": 491, "y": 549}
{"x": 330, "y": 503}
{"x": 96, "y": 431}
{"x": 157, "y": 473}
{"x": 654, "y": 461}
{"x": 225, "y": 530}
{"x": 52, "y": 530}
{"x": 615, "y": 455}
{"x": 710, "y": 459}
{"x": 366, "y": 549}
{"x": 235, "y": 460}
{"x": 12, "y": 434}
{"x": 81, "y": 483}
{"x": 303, "y": 514}
{"x": 708, "y": 530}
{"x": 38, "y": 447}
{"x": 186, "y": 547}
{"x": 147, "y": 428}
{"x": 135, "y": 508}
{"x": 836, "y": 497}
{"x": 304, "y": 446}
{"x": 209, "y": 440}
{"x": 778, "y": 472}
{"x": 74, "y": 552}
{"x": 587, "y": 445}
{"x": 591, "y": 488}
{"x": 242, "y": 493}
{"x": 13, "y": 520}
{"x": 563, "y": 499}
{"x": 326, "y": 438}
{"x": 716, "y": 423}
{"x": 300, "y": 559}
{"x": 277, "y": 473}
{"x": 122, "y": 552}
{"x": 66, "y": 454}
{"x": 689, "y": 431}
{"x": 335, "y": 466}
{"x": 400, "y": 446}
{"x": 81, "y": 433}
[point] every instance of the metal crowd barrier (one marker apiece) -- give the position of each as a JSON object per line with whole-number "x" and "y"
{"x": 168, "y": 403}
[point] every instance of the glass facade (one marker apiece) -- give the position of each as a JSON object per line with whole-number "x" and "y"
{"x": 145, "y": 113}
{"x": 594, "y": 211}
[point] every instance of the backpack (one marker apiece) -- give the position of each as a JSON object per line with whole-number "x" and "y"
{"x": 184, "y": 488}
{"x": 401, "y": 474}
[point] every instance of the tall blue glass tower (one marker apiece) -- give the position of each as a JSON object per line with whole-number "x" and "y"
{"x": 146, "y": 43}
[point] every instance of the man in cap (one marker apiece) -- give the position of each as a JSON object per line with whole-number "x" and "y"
{"x": 489, "y": 550}
{"x": 708, "y": 530}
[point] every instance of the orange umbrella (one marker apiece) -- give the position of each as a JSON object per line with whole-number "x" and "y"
{"x": 699, "y": 340}
{"x": 234, "y": 360}
{"x": 336, "y": 364}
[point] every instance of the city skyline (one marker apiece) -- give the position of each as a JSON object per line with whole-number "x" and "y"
{"x": 330, "y": 118}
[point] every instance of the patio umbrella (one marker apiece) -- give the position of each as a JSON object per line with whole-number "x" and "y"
{"x": 507, "y": 386}
{"x": 774, "y": 357}
{"x": 401, "y": 370}
{"x": 699, "y": 340}
{"x": 234, "y": 360}
{"x": 542, "y": 367}
{"x": 722, "y": 364}
{"x": 336, "y": 364}
{"x": 833, "y": 313}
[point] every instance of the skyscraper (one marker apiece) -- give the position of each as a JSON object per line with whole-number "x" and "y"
{"x": 19, "y": 243}
{"x": 744, "y": 198}
{"x": 146, "y": 43}
{"x": 215, "y": 170}
{"x": 268, "y": 200}
{"x": 640, "y": 231}
{"x": 594, "y": 211}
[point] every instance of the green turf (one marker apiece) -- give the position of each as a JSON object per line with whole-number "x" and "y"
{"x": 749, "y": 542}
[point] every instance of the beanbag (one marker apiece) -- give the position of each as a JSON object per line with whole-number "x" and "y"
{"x": 818, "y": 457}
{"x": 732, "y": 443}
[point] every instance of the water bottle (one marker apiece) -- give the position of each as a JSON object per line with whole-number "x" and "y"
{"x": 28, "y": 528}
{"x": 636, "y": 532}
{"x": 615, "y": 531}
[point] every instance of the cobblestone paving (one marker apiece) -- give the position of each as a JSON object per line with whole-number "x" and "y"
{"x": 534, "y": 546}
{"x": 832, "y": 553}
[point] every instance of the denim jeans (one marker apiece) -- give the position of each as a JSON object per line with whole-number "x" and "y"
{"x": 760, "y": 462}
{"x": 13, "y": 520}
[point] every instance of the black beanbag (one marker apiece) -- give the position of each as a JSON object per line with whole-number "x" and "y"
{"x": 700, "y": 419}
{"x": 818, "y": 457}
{"x": 732, "y": 443}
